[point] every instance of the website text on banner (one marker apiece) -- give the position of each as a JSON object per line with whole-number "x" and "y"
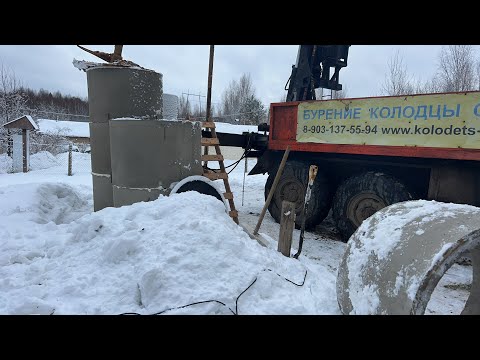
{"x": 436, "y": 120}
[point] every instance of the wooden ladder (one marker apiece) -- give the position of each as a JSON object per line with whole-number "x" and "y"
{"x": 222, "y": 174}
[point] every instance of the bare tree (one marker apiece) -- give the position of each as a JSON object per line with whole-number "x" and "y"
{"x": 236, "y": 94}
{"x": 456, "y": 68}
{"x": 239, "y": 102}
{"x": 53, "y": 142}
{"x": 478, "y": 75}
{"x": 428, "y": 87}
{"x": 184, "y": 108}
{"x": 397, "y": 81}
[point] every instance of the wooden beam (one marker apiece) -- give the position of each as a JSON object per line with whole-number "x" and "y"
{"x": 208, "y": 124}
{"x": 24, "y": 147}
{"x": 287, "y": 223}
{"x": 215, "y": 176}
{"x": 212, "y": 157}
{"x": 210, "y": 141}
{"x": 228, "y": 195}
{"x": 272, "y": 190}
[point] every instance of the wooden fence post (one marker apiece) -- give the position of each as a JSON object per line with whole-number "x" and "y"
{"x": 70, "y": 159}
{"x": 287, "y": 223}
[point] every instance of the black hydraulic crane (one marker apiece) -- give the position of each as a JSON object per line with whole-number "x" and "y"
{"x": 312, "y": 70}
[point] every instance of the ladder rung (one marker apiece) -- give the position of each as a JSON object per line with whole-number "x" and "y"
{"x": 210, "y": 141}
{"x": 212, "y": 157}
{"x": 208, "y": 124}
{"x": 228, "y": 195}
{"x": 215, "y": 176}
{"x": 233, "y": 213}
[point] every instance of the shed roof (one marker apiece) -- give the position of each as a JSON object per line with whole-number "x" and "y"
{"x": 23, "y": 122}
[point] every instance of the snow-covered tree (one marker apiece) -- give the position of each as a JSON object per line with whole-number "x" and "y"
{"x": 252, "y": 111}
{"x": 238, "y": 98}
{"x": 12, "y": 99}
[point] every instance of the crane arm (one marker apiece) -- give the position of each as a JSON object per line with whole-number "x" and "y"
{"x": 312, "y": 70}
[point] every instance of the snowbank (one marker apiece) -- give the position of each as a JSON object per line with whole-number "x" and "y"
{"x": 142, "y": 258}
{"x": 40, "y": 204}
{"x": 6, "y": 163}
{"x": 42, "y": 160}
{"x": 77, "y": 157}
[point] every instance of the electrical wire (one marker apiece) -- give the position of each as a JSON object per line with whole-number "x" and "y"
{"x": 195, "y": 303}
{"x": 234, "y": 114}
{"x": 52, "y": 112}
{"x": 238, "y": 162}
{"x": 234, "y": 164}
{"x": 221, "y": 303}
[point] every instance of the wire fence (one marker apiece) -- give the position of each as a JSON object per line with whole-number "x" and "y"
{"x": 47, "y": 158}
{"x": 35, "y": 113}
{"x": 49, "y": 153}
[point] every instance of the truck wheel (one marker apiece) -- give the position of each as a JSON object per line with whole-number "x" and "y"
{"x": 360, "y": 196}
{"x": 292, "y": 186}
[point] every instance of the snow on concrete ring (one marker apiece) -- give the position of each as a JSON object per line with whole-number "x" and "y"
{"x": 202, "y": 185}
{"x": 396, "y": 257}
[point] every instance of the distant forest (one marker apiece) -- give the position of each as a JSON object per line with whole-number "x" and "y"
{"x": 45, "y": 104}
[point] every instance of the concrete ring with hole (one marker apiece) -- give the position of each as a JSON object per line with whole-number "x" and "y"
{"x": 397, "y": 256}
{"x": 202, "y": 185}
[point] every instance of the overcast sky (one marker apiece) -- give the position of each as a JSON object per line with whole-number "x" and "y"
{"x": 185, "y": 67}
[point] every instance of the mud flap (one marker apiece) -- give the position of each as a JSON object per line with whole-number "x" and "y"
{"x": 265, "y": 163}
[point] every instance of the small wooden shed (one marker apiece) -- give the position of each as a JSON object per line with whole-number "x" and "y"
{"x": 26, "y": 124}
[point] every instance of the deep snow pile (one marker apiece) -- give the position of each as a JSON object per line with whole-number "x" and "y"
{"x": 26, "y": 205}
{"x": 6, "y": 163}
{"x": 29, "y": 236}
{"x": 82, "y": 159}
{"x": 142, "y": 258}
{"x": 42, "y": 160}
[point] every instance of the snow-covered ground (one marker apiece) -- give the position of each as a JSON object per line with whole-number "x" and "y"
{"x": 234, "y": 129}
{"x": 59, "y": 257}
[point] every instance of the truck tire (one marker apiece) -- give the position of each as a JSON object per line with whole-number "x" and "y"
{"x": 292, "y": 186}
{"x": 361, "y": 195}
